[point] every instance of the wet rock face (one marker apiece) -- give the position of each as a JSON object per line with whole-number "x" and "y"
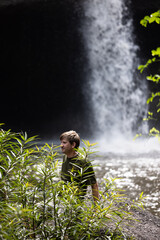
{"x": 143, "y": 5}
{"x": 42, "y": 61}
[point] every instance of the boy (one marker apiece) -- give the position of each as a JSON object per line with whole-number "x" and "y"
{"x": 74, "y": 167}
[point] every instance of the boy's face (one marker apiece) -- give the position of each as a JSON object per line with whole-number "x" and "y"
{"x": 66, "y": 147}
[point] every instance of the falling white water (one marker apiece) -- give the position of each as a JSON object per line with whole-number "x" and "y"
{"x": 118, "y": 98}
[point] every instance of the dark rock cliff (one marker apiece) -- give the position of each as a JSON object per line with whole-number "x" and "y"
{"x": 43, "y": 66}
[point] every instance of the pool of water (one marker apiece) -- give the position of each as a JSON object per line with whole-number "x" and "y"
{"x": 136, "y": 173}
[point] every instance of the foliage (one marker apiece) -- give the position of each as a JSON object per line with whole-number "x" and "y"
{"x": 36, "y": 204}
{"x": 154, "y": 17}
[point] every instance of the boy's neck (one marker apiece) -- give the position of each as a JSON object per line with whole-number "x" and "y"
{"x": 72, "y": 154}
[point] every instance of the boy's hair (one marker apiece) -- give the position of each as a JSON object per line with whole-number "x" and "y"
{"x": 72, "y": 137}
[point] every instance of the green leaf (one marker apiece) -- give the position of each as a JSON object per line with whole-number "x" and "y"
{"x": 3, "y": 168}
{"x": 152, "y": 19}
{"x": 156, "y": 52}
{"x": 152, "y": 97}
{"x": 150, "y": 113}
{"x": 141, "y": 68}
{"x": 19, "y": 141}
{"x": 141, "y": 195}
{"x": 154, "y": 130}
{"x": 137, "y": 135}
{"x": 158, "y": 20}
{"x": 146, "y": 18}
{"x": 143, "y": 22}
{"x": 156, "y": 14}
{"x": 155, "y": 78}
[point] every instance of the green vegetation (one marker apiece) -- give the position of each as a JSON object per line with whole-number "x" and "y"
{"x": 153, "y": 18}
{"x": 36, "y": 204}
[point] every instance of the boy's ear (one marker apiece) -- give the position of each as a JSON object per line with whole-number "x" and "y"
{"x": 73, "y": 145}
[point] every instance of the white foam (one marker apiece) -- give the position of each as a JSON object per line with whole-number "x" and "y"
{"x": 122, "y": 145}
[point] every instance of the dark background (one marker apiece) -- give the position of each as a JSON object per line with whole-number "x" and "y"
{"x": 147, "y": 38}
{"x": 44, "y": 65}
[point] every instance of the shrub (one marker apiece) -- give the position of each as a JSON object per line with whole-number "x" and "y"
{"x": 36, "y": 204}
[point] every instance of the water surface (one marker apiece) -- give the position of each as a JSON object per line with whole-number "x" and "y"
{"x": 137, "y": 173}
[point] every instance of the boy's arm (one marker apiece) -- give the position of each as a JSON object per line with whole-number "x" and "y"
{"x": 95, "y": 192}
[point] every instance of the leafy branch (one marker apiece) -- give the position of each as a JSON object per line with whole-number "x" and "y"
{"x": 154, "y": 17}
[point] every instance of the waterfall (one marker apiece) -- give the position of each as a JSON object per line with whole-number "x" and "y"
{"x": 117, "y": 96}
